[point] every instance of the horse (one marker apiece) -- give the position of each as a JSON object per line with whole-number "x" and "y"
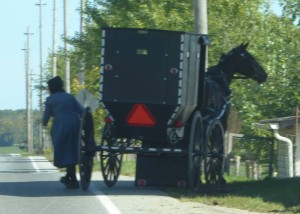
{"x": 216, "y": 105}
{"x": 218, "y": 79}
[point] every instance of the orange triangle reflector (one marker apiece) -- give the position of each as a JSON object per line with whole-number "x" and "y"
{"x": 140, "y": 116}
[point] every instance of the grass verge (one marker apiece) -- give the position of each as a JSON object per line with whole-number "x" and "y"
{"x": 268, "y": 196}
{"x": 12, "y": 150}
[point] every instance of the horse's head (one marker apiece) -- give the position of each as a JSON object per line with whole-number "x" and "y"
{"x": 240, "y": 61}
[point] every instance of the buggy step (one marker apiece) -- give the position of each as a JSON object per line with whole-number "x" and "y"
{"x": 141, "y": 150}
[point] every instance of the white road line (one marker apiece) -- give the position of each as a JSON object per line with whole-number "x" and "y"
{"x": 34, "y": 164}
{"x": 105, "y": 201}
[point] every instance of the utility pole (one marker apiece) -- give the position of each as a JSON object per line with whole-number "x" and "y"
{"x": 54, "y": 59}
{"x": 28, "y": 95}
{"x": 296, "y": 139}
{"x": 201, "y": 16}
{"x": 41, "y": 146}
{"x": 200, "y": 22}
{"x": 82, "y": 30}
{"x": 67, "y": 60}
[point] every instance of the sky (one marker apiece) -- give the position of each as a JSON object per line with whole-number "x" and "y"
{"x": 15, "y": 17}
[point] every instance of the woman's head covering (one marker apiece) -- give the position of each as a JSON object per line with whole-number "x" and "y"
{"x": 55, "y": 85}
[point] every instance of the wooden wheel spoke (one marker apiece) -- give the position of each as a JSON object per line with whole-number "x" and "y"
{"x": 105, "y": 166}
{"x": 111, "y": 162}
{"x": 214, "y": 154}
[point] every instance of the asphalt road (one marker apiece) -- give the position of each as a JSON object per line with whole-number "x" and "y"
{"x": 30, "y": 185}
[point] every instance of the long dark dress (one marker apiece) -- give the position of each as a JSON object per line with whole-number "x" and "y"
{"x": 66, "y": 112}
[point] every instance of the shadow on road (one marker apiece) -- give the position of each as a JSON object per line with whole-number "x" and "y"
{"x": 38, "y": 189}
{"x": 57, "y": 189}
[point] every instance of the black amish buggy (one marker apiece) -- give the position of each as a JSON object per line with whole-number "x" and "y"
{"x": 162, "y": 105}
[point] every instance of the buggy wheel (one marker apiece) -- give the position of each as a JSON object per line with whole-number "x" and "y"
{"x": 194, "y": 151}
{"x": 214, "y": 154}
{"x": 86, "y": 149}
{"x": 111, "y": 162}
{"x": 85, "y": 168}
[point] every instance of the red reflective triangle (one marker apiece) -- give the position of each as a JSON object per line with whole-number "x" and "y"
{"x": 140, "y": 116}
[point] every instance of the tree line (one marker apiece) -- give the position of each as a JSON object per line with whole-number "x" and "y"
{"x": 13, "y": 127}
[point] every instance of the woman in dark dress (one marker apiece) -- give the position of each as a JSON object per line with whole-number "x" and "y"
{"x": 66, "y": 113}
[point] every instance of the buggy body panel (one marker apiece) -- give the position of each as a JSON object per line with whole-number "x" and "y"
{"x": 154, "y": 71}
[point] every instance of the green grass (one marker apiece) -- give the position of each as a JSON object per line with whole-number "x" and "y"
{"x": 128, "y": 168}
{"x": 270, "y": 195}
{"x": 11, "y": 150}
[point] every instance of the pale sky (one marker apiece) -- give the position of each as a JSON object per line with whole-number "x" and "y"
{"x": 15, "y": 17}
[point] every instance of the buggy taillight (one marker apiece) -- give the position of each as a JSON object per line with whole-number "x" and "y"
{"x": 179, "y": 124}
{"x": 108, "y": 120}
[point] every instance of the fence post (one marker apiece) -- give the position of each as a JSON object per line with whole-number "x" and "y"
{"x": 254, "y": 170}
{"x": 227, "y": 165}
{"x": 271, "y": 167}
{"x": 248, "y": 166}
{"x": 237, "y": 161}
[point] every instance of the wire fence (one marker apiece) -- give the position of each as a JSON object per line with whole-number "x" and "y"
{"x": 251, "y": 157}
{"x": 247, "y": 168}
